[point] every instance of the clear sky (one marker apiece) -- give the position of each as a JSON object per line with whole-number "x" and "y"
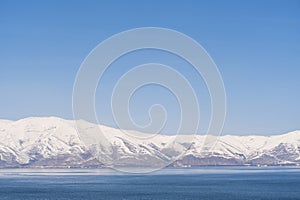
{"x": 255, "y": 44}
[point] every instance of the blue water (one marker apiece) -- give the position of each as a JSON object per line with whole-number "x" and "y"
{"x": 196, "y": 183}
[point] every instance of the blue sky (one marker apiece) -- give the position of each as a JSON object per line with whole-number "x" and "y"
{"x": 255, "y": 44}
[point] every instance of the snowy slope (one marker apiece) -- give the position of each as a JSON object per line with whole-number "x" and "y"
{"x": 54, "y": 142}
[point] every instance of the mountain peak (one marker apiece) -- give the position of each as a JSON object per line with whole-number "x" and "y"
{"x": 54, "y": 142}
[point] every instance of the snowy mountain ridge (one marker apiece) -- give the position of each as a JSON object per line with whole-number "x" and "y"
{"x": 54, "y": 142}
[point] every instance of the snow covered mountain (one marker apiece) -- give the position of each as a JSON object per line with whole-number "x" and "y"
{"x": 54, "y": 142}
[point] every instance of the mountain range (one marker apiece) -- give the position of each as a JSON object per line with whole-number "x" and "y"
{"x": 55, "y": 142}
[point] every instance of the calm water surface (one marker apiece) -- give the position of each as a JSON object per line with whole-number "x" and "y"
{"x": 192, "y": 183}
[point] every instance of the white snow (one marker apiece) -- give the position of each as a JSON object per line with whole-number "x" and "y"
{"x": 48, "y": 137}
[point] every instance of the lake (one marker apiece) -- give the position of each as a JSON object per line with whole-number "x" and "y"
{"x": 179, "y": 183}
